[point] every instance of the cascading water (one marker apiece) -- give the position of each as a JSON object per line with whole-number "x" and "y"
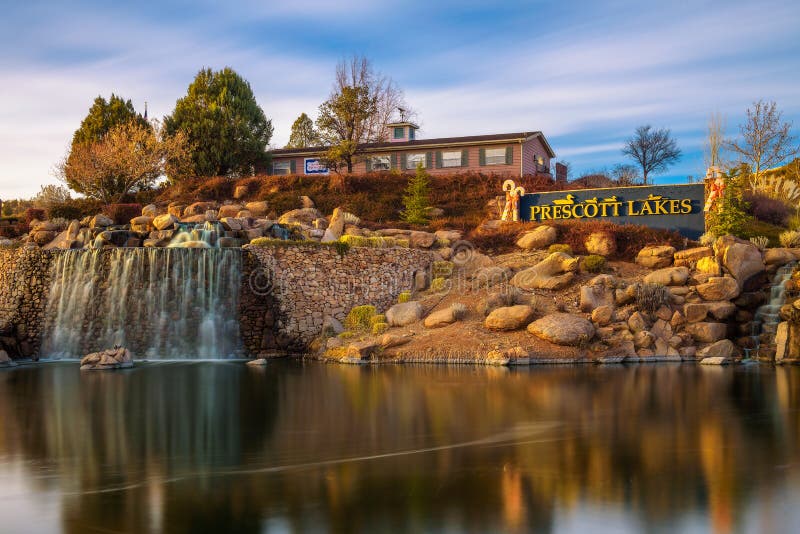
{"x": 161, "y": 303}
{"x": 766, "y": 319}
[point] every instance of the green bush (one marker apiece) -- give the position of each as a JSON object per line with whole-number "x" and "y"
{"x": 594, "y": 263}
{"x": 346, "y": 335}
{"x": 790, "y": 239}
{"x": 729, "y": 215}
{"x": 379, "y": 328}
{"x": 378, "y": 318}
{"x": 557, "y": 247}
{"x": 359, "y": 318}
{"x": 404, "y": 296}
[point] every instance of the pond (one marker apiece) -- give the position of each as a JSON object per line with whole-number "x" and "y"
{"x": 309, "y": 447}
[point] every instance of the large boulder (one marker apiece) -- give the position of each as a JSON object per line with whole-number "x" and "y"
{"x": 742, "y": 259}
{"x": 723, "y": 348}
{"x": 116, "y": 358}
{"x": 656, "y": 256}
{"x": 229, "y": 210}
{"x": 601, "y": 243}
{"x": 151, "y": 210}
{"x": 142, "y": 224}
{"x": 440, "y": 318}
{"x": 719, "y": 288}
{"x": 198, "y": 208}
{"x": 540, "y": 237}
{"x": 335, "y": 227}
{"x": 708, "y": 265}
{"x": 404, "y": 313}
{"x": 704, "y": 332}
{"x": 668, "y": 276}
{"x": 257, "y": 208}
{"x": 778, "y": 256}
{"x": 509, "y": 317}
{"x": 165, "y": 222}
{"x": 598, "y": 292}
{"x": 299, "y": 216}
{"x": 100, "y": 221}
{"x": 690, "y": 256}
{"x": 563, "y": 329}
{"x": 554, "y": 272}
{"x": 421, "y": 239}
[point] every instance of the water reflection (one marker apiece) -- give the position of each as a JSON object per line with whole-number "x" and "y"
{"x": 304, "y": 447}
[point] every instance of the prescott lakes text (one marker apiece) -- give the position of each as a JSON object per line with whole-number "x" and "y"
{"x": 567, "y": 208}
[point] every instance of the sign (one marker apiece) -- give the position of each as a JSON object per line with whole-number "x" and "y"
{"x": 314, "y": 166}
{"x": 668, "y": 207}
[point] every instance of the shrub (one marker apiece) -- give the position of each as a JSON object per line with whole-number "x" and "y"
{"x": 459, "y": 310}
{"x": 729, "y": 215}
{"x": 761, "y": 241}
{"x": 558, "y": 247}
{"x": 793, "y": 222}
{"x": 359, "y": 317}
{"x": 66, "y": 210}
{"x": 442, "y": 269}
{"x": 33, "y": 214}
{"x": 122, "y": 213}
{"x": 790, "y": 239}
{"x": 594, "y": 263}
{"x": 404, "y": 296}
{"x": 650, "y": 297}
{"x": 767, "y": 209}
{"x": 438, "y": 284}
{"x": 379, "y": 328}
{"x": 707, "y": 239}
{"x": 378, "y": 318}
{"x": 346, "y": 335}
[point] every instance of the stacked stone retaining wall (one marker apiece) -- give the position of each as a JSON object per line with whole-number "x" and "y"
{"x": 24, "y": 283}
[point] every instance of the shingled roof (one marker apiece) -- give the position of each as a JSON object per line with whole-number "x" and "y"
{"x": 440, "y": 141}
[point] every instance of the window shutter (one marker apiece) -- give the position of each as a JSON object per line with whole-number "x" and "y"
{"x": 368, "y": 163}
{"x": 270, "y": 169}
{"x": 465, "y": 158}
{"x": 393, "y": 160}
{"x": 439, "y": 163}
{"x": 482, "y": 156}
{"x": 292, "y": 166}
{"x": 429, "y": 160}
{"x": 509, "y": 155}
{"x": 403, "y": 161}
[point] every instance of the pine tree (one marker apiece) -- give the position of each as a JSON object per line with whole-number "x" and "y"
{"x": 417, "y": 200}
{"x": 730, "y": 215}
{"x": 303, "y": 133}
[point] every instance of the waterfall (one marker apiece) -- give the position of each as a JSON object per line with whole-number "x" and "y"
{"x": 161, "y": 303}
{"x": 766, "y": 319}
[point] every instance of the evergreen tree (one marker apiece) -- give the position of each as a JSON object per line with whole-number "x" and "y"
{"x": 303, "y": 133}
{"x": 416, "y": 200}
{"x": 104, "y": 115}
{"x": 227, "y": 129}
{"x": 730, "y": 216}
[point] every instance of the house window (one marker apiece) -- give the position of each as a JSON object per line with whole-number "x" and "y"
{"x": 398, "y": 133}
{"x": 411, "y": 134}
{"x": 282, "y": 167}
{"x": 451, "y": 159}
{"x": 380, "y": 163}
{"x": 412, "y": 160}
{"x": 495, "y": 156}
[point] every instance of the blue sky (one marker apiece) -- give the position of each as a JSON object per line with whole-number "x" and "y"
{"x": 585, "y": 73}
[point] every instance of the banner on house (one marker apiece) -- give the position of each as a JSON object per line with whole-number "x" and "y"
{"x": 669, "y": 207}
{"x": 315, "y": 166}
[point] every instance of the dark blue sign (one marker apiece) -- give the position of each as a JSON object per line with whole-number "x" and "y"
{"x": 668, "y": 207}
{"x": 314, "y": 166}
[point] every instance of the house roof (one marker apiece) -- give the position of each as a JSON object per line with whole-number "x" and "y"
{"x": 427, "y": 143}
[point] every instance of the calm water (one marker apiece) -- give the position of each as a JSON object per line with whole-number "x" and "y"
{"x": 219, "y": 447}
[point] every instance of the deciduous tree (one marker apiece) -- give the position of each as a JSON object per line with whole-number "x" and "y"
{"x": 226, "y": 127}
{"x": 654, "y": 150}
{"x": 765, "y": 139}
{"x": 130, "y": 157}
{"x": 104, "y": 115}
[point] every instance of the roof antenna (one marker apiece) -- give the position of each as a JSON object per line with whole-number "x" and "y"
{"x": 402, "y": 114}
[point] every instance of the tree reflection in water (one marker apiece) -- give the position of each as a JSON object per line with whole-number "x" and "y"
{"x": 187, "y": 447}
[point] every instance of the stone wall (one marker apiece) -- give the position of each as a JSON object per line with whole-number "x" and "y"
{"x": 287, "y": 291}
{"x": 24, "y": 283}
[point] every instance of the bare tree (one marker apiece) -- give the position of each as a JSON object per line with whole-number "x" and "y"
{"x": 715, "y": 141}
{"x": 625, "y": 174}
{"x": 653, "y": 150}
{"x": 766, "y": 141}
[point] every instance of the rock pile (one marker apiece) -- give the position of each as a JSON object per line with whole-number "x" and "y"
{"x": 116, "y": 358}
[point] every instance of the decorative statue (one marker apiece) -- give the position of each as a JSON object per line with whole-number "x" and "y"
{"x": 511, "y": 208}
{"x": 717, "y": 189}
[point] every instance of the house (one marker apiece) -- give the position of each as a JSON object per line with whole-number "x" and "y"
{"x": 513, "y": 154}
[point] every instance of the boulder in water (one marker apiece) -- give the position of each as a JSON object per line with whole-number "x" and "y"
{"x": 5, "y": 360}
{"x": 116, "y": 358}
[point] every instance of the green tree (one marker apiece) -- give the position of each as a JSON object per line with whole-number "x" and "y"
{"x": 104, "y": 115}
{"x": 343, "y": 122}
{"x": 417, "y": 198}
{"x": 303, "y": 133}
{"x": 227, "y": 129}
{"x": 730, "y": 216}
